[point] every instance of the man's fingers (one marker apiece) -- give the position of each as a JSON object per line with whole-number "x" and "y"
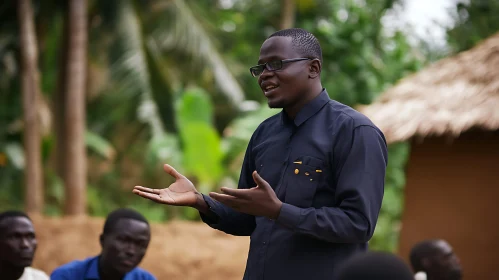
{"x": 240, "y": 193}
{"x": 153, "y": 197}
{"x": 225, "y": 199}
{"x": 259, "y": 180}
{"x": 170, "y": 170}
{"x": 147, "y": 190}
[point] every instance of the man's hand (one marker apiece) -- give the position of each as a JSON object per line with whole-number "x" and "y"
{"x": 258, "y": 201}
{"x": 181, "y": 193}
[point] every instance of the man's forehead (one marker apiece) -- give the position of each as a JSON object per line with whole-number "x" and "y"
{"x": 13, "y": 224}
{"x": 125, "y": 224}
{"x": 277, "y": 47}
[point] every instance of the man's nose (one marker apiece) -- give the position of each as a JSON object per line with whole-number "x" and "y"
{"x": 266, "y": 73}
{"x": 25, "y": 243}
{"x": 130, "y": 249}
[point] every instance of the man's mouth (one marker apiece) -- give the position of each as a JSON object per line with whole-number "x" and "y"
{"x": 26, "y": 256}
{"x": 128, "y": 262}
{"x": 268, "y": 89}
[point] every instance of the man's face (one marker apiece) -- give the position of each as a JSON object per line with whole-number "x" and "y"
{"x": 17, "y": 242}
{"x": 124, "y": 247}
{"x": 445, "y": 263}
{"x": 290, "y": 83}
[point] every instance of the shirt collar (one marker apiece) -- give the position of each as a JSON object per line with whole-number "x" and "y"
{"x": 308, "y": 110}
{"x": 92, "y": 272}
{"x": 93, "y": 269}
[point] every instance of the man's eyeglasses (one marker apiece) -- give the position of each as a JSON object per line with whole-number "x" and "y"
{"x": 272, "y": 65}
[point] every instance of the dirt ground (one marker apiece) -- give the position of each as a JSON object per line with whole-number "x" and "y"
{"x": 178, "y": 250}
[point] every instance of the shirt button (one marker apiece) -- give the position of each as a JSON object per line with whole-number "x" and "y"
{"x": 264, "y": 242}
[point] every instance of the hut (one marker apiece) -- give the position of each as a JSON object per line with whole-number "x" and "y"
{"x": 449, "y": 112}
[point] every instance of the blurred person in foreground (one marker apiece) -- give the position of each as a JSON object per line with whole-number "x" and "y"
{"x": 436, "y": 259}
{"x": 312, "y": 180}
{"x": 374, "y": 266}
{"x": 124, "y": 242}
{"x": 17, "y": 247}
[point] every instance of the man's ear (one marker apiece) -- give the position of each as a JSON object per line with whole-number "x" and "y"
{"x": 426, "y": 263}
{"x": 315, "y": 69}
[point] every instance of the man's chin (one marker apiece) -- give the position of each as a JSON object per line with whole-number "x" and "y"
{"x": 22, "y": 263}
{"x": 274, "y": 104}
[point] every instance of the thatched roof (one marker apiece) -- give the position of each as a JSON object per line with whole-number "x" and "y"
{"x": 448, "y": 97}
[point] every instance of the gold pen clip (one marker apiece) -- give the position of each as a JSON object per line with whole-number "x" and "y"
{"x": 297, "y": 162}
{"x": 318, "y": 170}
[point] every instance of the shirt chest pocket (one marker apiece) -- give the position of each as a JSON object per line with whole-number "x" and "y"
{"x": 302, "y": 181}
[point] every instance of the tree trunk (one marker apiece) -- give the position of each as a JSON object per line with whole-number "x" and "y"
{"x": 288, "y": 8}
{"x": 75, "y": 170}
{"x": 59, "y": 101}
{"x": 30, "y": 93}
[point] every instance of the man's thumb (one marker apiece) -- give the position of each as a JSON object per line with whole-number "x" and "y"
{"x": 259, "y": 180}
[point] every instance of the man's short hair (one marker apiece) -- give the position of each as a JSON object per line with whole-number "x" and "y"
{"x": 11, "y": 214}
{"x": 374, "y": 266}
{"x": 122, "y": 213}
{"x": 303, "y": 42}
{"x": 421, "y": 250}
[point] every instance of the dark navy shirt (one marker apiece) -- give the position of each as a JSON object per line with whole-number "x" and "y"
{"x": 88, "y": 269}
{"x": 327, "y": 166}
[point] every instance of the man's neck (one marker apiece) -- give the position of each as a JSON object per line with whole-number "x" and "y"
{"x": 9, "y": 272}
{"x": 293, "y": 111}
{"x": 107, "y": 274}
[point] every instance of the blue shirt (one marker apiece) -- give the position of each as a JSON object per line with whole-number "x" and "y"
{"x": 327, "y": 166}
{"x": 89, "y": 269}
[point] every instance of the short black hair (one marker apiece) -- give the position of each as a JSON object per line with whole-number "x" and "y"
{"x": 122, "y": 213}
{"x": 12, "y": 214}
{"x": 374, "y": 266}
{"x": 303, "y": 42}
{"x": 421, "y": 250}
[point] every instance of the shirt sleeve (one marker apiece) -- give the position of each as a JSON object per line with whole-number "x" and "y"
{"x": 360, "y": 178}
{"x": 227, "y": 219}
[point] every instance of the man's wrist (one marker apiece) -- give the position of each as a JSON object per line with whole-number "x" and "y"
{"x": 276, "y": 212}
{"x": 200, "y": 204}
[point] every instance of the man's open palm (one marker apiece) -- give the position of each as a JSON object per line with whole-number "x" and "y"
{"x": 181, "y": 193}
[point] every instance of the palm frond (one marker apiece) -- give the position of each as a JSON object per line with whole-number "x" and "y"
{"x": 178, "y": 29}
{"x": 130, "y": 67}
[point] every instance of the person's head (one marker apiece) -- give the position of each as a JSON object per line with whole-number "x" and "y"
{"x": 289, "y": 68}
{"x": 17, "y": 239}
{"x": 374, "y": 266}
{"x": 124, "y": 241}
{"x": 437, "y": 259}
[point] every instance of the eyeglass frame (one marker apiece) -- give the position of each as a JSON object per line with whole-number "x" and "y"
{"x": 283, "y": 61}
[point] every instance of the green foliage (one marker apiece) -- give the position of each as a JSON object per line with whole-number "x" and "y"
{"x": 164, "y": 149}
{"x": 99, "y": 145}
{"x": 476, "y": 21}
{"x": 201, "y": 144}
{"x": 11, "y": 176}
{"x": 387, "y": 230}
{"x": 194, "y": 106}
